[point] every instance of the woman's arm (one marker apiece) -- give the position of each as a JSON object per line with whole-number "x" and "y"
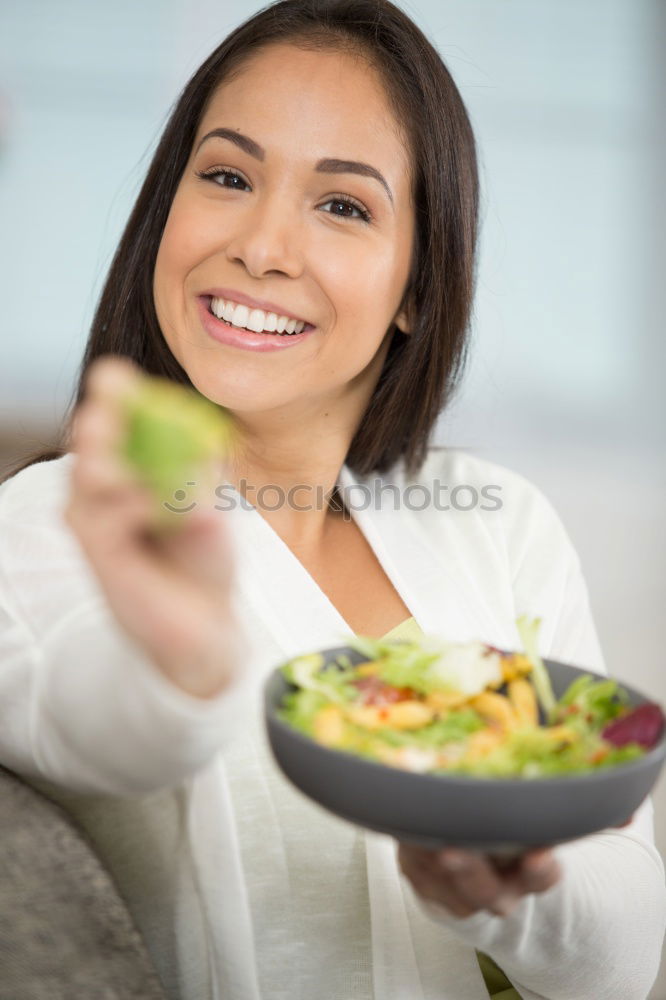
{"x": 597, "y": 933}
{"x": 120, "y": 657}
{"x": 84, "y": 707}
{"x": 598, "y": 930}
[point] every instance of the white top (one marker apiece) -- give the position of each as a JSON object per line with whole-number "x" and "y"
{"x": 244, "y": 889}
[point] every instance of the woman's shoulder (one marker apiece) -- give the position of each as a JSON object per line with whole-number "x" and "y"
{"x": 457, "y": 487}
{"x": 459, "y": 466}
{"x": 468, "y": 479}
{"x": 37, "y": 491}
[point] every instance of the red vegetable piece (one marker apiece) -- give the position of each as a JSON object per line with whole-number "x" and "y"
{"x": 377, "y": 692}
{"x": 643, "y": 725}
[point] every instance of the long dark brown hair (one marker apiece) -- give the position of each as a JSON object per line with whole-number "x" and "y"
{"x": 422, "y": 370}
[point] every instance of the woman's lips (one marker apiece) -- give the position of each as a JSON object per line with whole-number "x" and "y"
{"x": 246, "y": 339}
{"x": 242, "y": 299}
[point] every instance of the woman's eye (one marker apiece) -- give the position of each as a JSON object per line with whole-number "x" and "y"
{"x": 212, "y": 175}
{"x": 347, "y": 203}
{"x": 338, "y": 200}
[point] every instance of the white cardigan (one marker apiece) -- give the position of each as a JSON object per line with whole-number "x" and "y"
{"x": 244, "y": 889}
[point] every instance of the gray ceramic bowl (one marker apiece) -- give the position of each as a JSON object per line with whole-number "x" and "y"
{"x": 501, "y": 815}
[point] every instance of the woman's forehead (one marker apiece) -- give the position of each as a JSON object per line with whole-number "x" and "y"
{"x": 343, "y": 110}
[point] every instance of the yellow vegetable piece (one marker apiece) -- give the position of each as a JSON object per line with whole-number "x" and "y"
{"x": 368, "y": 669}
{"x": 559, "y": 734}
{"x": 443, "y": 701}
{"x": 482, "y": 742}
{"x": 495, "y": 708}
{"x": 328, "y": 726}
{"x": 401, "y": 715}
{"x": 523, "y": 701}
{"x": 516, "y": 665}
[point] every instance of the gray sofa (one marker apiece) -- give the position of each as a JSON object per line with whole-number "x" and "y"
{"x": 65, "y": 933}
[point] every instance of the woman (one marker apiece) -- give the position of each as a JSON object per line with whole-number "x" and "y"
{"x": 318, "y": 167}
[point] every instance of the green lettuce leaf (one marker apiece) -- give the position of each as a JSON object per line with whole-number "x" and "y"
{"x": 595, "y": 702}
{"x": 333, "y": 683}
{"x": 529, "y": 630}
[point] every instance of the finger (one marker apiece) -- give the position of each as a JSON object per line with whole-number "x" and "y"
{"x": 410, "y": 856}
{"x": 111, "y": 375}
{"x": 449, "y": 864}
{"x": 90, "y": 427}
{"x": 430, "y": 883}
{"x": 442, "y": 893}
{"x": 100, "y": 467}
{"x": 101, "y": 479}
{"x": 97, "y": 429}
{"x": 109, "y": 531}
{"x": 110, "y": 381}
{"x": 539, "y": 870}
{"x": 477, "y": 881}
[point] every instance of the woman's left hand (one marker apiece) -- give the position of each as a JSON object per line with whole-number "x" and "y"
{"x": 465, "y": 881}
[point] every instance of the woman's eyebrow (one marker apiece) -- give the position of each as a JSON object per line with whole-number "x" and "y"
{"x": 327, "y": 166}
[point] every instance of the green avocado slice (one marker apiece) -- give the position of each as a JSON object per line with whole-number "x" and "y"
{"x": 172, "y": 432}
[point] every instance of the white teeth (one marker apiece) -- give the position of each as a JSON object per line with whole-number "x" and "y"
{"x": 254, "y": 319}
{"x": 240, "y": 316}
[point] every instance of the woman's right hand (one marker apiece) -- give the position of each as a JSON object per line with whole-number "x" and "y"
{"x": 171, "y": 592}
{"x": 465, "y": 881}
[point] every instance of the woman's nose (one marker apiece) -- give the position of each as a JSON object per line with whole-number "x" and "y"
{"x": 268, "y": 238}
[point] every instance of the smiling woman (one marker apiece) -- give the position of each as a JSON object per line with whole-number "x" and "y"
{"x": 403, "y": 210}
{"x": 280, "y": 231}
{"x": 302, "y": 252}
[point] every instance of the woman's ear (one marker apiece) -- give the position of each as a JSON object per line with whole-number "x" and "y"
{"x": 405, "y": 318}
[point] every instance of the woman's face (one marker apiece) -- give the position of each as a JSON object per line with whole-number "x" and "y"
{"x": 280, "y": 233}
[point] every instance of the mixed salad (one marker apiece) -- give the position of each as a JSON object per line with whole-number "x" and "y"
{"x": 466, "y": 708}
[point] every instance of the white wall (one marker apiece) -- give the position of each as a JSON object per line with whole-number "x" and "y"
{"x": 566, "y": 383}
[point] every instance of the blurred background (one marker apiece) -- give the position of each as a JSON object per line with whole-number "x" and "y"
{"x": 568, "y": 101}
